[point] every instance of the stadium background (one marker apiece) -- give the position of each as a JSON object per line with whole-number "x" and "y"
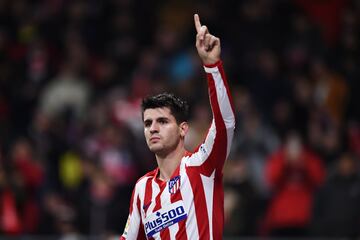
{"x": 72, "y": 75}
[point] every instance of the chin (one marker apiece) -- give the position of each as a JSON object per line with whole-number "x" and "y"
{"x": 155, "y": 149}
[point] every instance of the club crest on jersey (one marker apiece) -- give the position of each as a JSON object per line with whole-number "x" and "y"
{"x": 174, "y": 184}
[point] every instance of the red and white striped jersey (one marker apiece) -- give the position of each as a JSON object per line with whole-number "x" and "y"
{"x": 191, "y": 204}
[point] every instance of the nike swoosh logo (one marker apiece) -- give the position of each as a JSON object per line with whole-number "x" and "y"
{"x": 146, "y": 206}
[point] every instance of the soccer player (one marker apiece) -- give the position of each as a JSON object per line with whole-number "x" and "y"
{"x": 183, "y": 197}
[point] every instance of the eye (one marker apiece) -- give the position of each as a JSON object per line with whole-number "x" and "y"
{"x": 147, "y": 123}
{"x": 163, "y": 121}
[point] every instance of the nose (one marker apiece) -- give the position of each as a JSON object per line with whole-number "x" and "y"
{"x": 154, "y": 128}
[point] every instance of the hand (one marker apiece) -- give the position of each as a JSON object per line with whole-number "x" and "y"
{"x": 207, "y": 45}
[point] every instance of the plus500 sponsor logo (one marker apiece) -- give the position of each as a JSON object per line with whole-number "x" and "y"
{"x": 165, "y": 220}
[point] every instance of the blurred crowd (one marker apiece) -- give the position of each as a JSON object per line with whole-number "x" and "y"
{"x": 72, "y": 76}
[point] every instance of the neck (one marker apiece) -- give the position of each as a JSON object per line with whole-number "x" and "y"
{"x": 167, "y": 163}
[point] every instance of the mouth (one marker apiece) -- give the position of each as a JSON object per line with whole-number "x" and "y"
{"x": 154, "y": 139}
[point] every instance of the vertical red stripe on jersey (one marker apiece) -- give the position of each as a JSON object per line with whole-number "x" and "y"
{"x": 181, "y": 234}
{"x": 164, "y": 234}
{"x": 218, "y": 206}
{"x": 202, "y": 217}
{"x": 217, "y": 156}
{"x": 141, "y": 233}
{"x": 148, "y": 195}
{"x": 162, "y": 186}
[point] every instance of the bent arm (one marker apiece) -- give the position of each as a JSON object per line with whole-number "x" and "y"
{"x": 213, "y": 152}
{"x": 221, "y": 131}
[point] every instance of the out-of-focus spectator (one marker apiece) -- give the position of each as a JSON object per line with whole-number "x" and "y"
{"x": 10, "y": 223}
{"x": 58, "y": 216}
{"x": 336, "y": 208}
{"x": 29, "y": 178}
{"x": 109, "y": 149}
{"x": 294, "y": 173}
{"x": 326, "y": 15}
{"x": 68, "y": 90}
{"x": 199, "y": 126}
{"x": 324, "y": 137}
{"x": 266, "y": 82}
{"x": 10, "y": 217}
{"x": 330, "y": 91}
{"x": 242, "y": 203}
{"x": 255, "y": 141}
{"x": 110, "y": 168}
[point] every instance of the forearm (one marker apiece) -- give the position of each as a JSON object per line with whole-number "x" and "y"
{"x": 221, "y": 105}
{"x": 220, "y": 97}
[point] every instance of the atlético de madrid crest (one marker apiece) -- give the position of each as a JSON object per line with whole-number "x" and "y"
{"x": 174, "y": 184}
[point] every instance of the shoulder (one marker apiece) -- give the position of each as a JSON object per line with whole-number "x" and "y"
{"x": 142, "y": 180}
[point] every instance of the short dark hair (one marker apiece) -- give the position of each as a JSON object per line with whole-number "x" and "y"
{"x": 178, "y": 107}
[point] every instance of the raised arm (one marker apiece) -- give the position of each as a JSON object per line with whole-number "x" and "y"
{"x": 213, "y": 152}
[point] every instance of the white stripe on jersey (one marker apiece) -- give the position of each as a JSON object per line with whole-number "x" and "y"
{"x": 191, "y": 226}
{"x": 224, "y": 102}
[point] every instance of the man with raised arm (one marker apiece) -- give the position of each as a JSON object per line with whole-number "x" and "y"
{"x": 183, "y": 197}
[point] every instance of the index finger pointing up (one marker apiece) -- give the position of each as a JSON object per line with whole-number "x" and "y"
{"x": 197, "y": 22}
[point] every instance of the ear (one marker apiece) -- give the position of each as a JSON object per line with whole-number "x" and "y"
{"x": 184, "y": 127}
